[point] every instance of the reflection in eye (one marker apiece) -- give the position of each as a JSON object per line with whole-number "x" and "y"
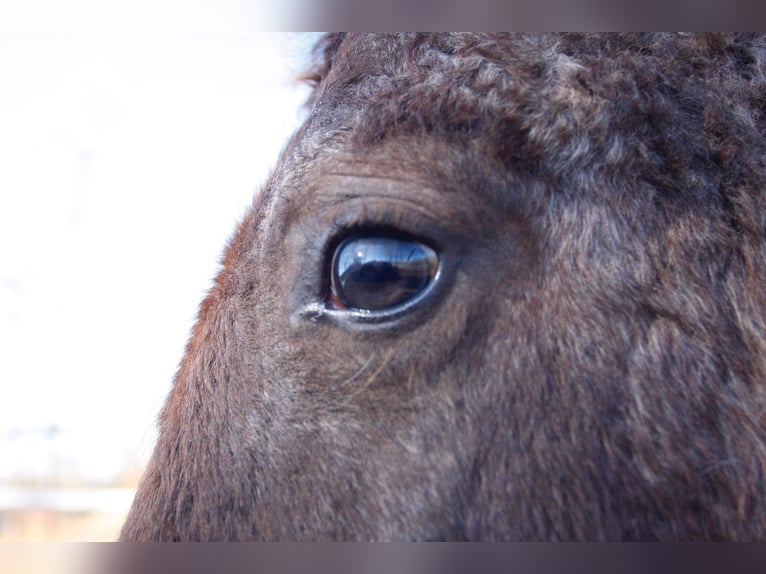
{"x": 377, "y": 272}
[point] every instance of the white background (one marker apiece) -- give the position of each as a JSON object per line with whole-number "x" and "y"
{"x": 129, "y": 149}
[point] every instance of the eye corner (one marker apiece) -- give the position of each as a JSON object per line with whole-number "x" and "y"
{"x": 333, "y": 300}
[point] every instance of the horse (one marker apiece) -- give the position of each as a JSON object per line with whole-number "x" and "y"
{"x": 497, "y": 287}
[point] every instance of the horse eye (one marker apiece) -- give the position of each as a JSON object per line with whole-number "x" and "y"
{"x": 377, "y": 272}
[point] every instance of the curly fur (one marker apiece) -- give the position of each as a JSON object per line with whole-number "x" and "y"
{"x": 594, "y": 367}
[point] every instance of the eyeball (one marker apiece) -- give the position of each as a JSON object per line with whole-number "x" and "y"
{"x": 376, "y": 272}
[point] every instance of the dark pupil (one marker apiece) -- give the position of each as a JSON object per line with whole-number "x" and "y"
{"x": 379, "y": 272}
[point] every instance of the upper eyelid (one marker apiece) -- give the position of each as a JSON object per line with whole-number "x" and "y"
{"x": 369, "y": 228}
{"x": 334, "y": 190}
{"x": 390, "y": 212}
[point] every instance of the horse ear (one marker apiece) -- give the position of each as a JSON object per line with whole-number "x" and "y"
{"x": 323, "y": 54}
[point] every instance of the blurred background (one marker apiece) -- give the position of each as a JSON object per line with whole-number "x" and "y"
{"x": 131, "y": 143}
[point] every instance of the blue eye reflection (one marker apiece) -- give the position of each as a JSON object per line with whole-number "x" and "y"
{"x": 377, "y": 272}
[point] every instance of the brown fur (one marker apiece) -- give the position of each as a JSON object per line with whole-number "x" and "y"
{"x": 592, "y": 365}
